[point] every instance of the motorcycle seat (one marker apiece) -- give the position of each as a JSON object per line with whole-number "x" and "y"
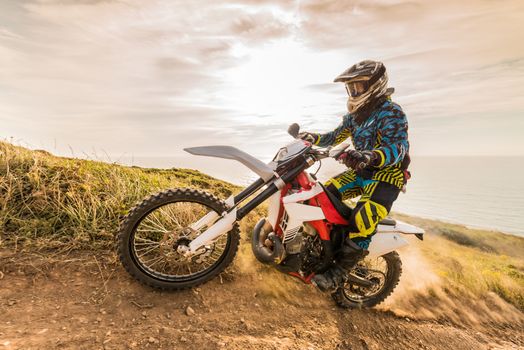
{"x": 387, "y": 221}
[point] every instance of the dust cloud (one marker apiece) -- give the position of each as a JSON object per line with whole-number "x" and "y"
{"x": 423, "y": 295}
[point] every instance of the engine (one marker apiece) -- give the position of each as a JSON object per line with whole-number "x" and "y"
{"x": 295, "y": 239}
{"x": 300, "y": 249}
{"x": 303, "y": 248}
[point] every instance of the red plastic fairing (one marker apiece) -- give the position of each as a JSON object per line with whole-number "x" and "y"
{"x": 332, "y": 215}
{"x": 303, "y": 181}
{"x": 322, "y": 229}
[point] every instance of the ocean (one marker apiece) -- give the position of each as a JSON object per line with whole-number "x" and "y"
{"x": 483, "y": 192}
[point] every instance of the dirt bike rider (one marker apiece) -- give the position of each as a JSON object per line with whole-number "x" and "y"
{"x": 377, "y": 164}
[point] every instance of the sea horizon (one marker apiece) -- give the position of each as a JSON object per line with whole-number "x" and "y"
{"x": 482, "y": 192}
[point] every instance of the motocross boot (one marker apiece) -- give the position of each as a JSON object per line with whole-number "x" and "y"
{"x": 350, "y": 255}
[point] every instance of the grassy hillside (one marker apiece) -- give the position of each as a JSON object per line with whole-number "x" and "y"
{"x": 474, "y": 261}
{"x": 48, "y": 202}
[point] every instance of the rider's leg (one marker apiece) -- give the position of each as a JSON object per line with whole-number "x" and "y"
{"x": 348, "y": 185}
{"x": 373, "y": 206}
{"x": 345, "y": 185}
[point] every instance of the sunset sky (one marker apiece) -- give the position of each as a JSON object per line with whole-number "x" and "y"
{"x": 148, "y": 78}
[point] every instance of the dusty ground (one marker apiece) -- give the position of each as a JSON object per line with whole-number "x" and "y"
{"x": 83, "y": 301}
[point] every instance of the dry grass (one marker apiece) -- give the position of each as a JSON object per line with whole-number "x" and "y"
{"x": 473, "y": 260}
{"x": 50, "y": 202}
{"x": 61, "y": 204}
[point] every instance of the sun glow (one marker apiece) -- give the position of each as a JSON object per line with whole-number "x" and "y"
{"x": 276, "y": 81}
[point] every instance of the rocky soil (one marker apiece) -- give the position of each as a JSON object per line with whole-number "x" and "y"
{"x": 87, "y": 301}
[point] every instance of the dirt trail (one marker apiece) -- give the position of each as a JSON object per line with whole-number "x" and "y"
{"x": 83, "y": 301}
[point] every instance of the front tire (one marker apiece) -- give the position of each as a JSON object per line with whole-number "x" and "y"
{"x": 152, "y": 230}
{"x": 354, "y": 297}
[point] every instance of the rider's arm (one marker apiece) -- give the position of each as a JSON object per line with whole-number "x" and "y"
{"x": 336, "y": 136}
{"x": 393, "y": 134}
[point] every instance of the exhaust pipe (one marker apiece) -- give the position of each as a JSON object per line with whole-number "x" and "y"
{"x": 264, "y": 231}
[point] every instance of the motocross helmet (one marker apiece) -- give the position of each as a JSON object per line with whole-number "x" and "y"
{"x": 365, "y": 82}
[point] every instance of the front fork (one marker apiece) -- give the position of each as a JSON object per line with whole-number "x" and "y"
{"x": 225, "y": 224}
{"x": 216, "y": 228}
{"x": 233, "y": 214}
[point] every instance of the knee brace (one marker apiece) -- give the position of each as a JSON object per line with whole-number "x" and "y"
{"x": 365, "y": 219}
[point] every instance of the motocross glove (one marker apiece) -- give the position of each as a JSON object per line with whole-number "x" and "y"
{"x": 308, "y": 136}
{"x": 358, "y": 160}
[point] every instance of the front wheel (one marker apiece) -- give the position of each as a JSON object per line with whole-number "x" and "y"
{"x": 384, "y": 271}
{"x": 152, "y": 231}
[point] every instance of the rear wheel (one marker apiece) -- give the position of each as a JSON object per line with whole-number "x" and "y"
{"x": 153, "y": 230}
{"x": 384, "y": 271}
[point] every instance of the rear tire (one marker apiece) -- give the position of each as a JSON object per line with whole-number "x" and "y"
{"x": 131, "y": 259}
{"x": 394, "y": 270}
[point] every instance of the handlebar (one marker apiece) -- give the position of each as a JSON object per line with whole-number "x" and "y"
{"x": 326, "y": 153}
{"x": 294, "y": 131}
{"x": 321, "y": 153}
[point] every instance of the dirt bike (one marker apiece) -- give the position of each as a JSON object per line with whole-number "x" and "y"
{"x": 180, "y": 238}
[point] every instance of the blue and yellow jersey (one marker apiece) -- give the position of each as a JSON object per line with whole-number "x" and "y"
{"x": 385, "y": 131}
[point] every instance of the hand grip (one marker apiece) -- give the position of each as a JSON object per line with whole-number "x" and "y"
{"x": 337, "y": 153}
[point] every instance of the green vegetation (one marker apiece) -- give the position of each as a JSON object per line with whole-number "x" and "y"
{"x": 50, "y": 202}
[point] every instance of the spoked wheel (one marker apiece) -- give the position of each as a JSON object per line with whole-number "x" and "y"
{"x": 383, "y": 271}
{"x": 152, "y": 232}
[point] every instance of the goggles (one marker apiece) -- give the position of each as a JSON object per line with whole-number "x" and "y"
{"x": 355, "y": 89}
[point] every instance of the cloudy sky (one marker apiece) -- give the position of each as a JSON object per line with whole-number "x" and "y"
{"x": 131, "y": 78}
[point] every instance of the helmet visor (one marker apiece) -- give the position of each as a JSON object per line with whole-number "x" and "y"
{"x": 356, "y": 88}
